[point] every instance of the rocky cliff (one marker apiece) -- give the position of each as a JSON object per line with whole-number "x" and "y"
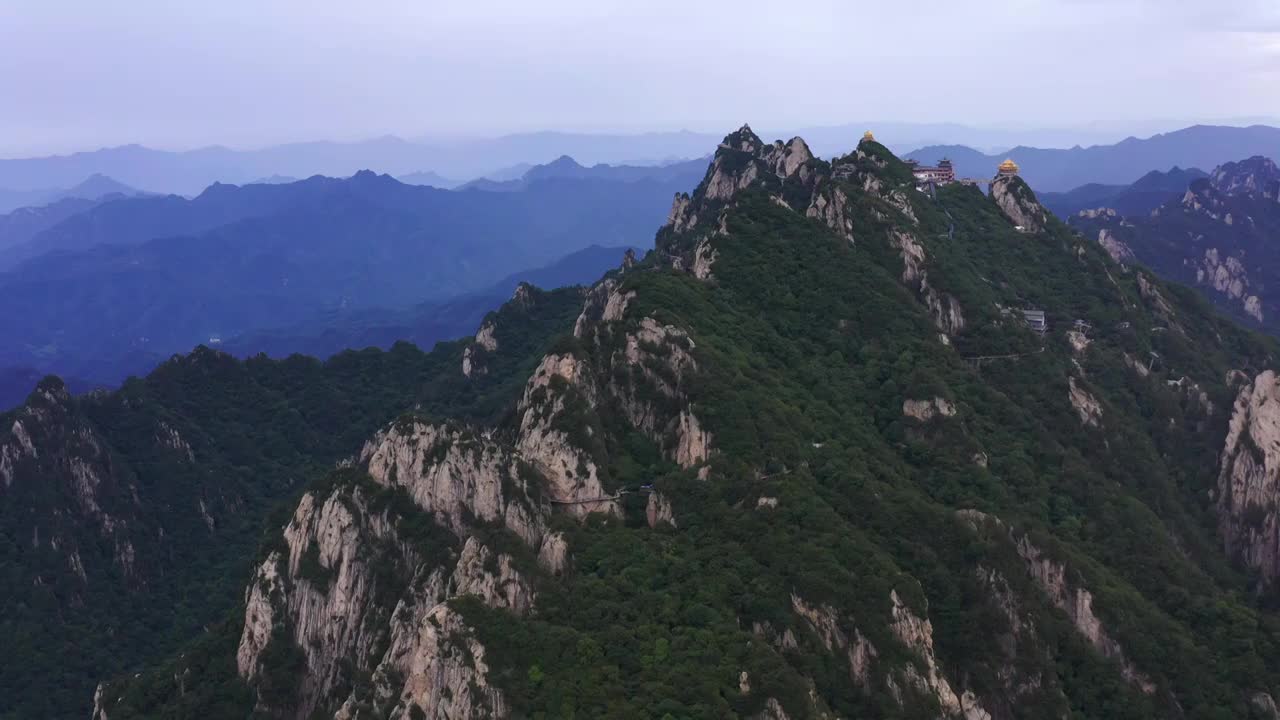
{"x": 806, "y": 459}
{"x": 1218, "y": 236}
{"x": 1248, "y": 491}
{"x": 1015, "y": 198}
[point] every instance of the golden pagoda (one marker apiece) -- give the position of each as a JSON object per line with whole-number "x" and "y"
{"x": 1008, "y": 168}
{"x": 868, "y": 137}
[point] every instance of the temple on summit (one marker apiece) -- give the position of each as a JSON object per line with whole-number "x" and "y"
{"x": 1008, "y": 168}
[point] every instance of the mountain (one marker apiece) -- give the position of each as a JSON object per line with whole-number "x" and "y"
{"x": 1219, "y": 233}
{"x": 1146, "y": 194}
{"x": 430, "y": 179}
{"x": 189, "y": 172}
{"x": 21, "y": 225}
{"x": 425, "y": 324}
{"x": 836, "y": 448}
{"x": 1059, "y": 170}
{"x": 153, "y": 496}
{"x": 685, "y": 174}
{"x": 500, "y": 158}
{"x": 17, "y": 384}
{"x": 95, "y": 187}
{"x": 275, "y": 180}
{"x": 137, "y": 280}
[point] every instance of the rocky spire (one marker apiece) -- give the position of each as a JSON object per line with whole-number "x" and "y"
{"x": 1018, "y": 203}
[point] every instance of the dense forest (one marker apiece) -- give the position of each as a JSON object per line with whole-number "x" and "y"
{"x": 194, "y": 458}
{"x": 806, "y": 459}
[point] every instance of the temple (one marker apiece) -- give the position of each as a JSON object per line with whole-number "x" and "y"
{"x": 941, "y": 174}
{"x": 1008, "y": 168}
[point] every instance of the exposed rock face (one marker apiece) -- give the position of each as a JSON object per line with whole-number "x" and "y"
{"x": 926, "y": 410}
{"x": 1094, "y": 213}
{"x": 504, "y": 587}
{"x": 485, "y": 338}
{"x": 649, "y": 376}
{"x": 1086, "y": 405}
{"x": 825, "y": 623}
{"x": 1229, "y": 278}
{"x": 831, "y": 206}
{"x": 1078, "y": 341}
{"x": 725, "y": 182}
{"x": 917, "y": 634}
{"x": 1077, "y": 603}
{"x": 943, "y": 307}
{"x": 1249, "y": 477}
{"x": 49, "y": 439}
{"x": 456, "y": 476}
{"x": 682, "y": 217}
{"x": 1263, "y": 703}
{"x": 1018, "y": 203}
{"x": 605, "y": 303}
{"x": 554, "y": 554}
{"x": 1152, "y": 295}
{"x": 1257, "y": 175}
{"x": 659, "y": 511}
{"x": 485, "y": 342}
{"x": 741, "y": 162}
{"x": 443, "y": 666}
{"x": 704, "y": 256}
{"x": 559, "y": 388}
{"x": 1115, "y": 247}
{"x": 99, "y": 711}
{"x": 346, "y": 614}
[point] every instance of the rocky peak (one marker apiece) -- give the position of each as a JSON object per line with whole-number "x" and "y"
{"x": 1018, "y": 202}
{"x": 743, "y": 139}
{"x": 741, "y": 161}
{"x": 1257, "y": 175}
{"x": 49, "y": 392}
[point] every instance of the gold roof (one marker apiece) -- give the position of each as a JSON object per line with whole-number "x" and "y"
{"x": 1009, "y": 166}
{"x": 868, "y": 136}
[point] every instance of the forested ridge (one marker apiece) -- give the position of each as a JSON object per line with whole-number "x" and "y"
{"x": 805, "y": 459}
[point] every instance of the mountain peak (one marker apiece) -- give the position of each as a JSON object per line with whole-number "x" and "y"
{"x": 743, "y": 139}
{"x": 1018, "y": 203}
{"x": 564, "y": 161}
{"x": 1256, "y": 175}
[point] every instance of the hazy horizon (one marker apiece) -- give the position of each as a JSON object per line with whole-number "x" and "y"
{"x": 247, "y": 75}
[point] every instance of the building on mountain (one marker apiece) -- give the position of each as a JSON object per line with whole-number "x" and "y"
{"x": 941, "y": 174}
{"x": 1008, "y": 168}
{"x": 1035, "y": 320}
{"x": 868, "y": 137}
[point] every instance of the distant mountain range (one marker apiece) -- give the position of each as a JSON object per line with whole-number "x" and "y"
{"x": 429, "y": 179}
{"x": 113, "y": 288}
{"x": 424, "y": 324}
{"x": 94, "y": 187}
{"x": 189, "y": 172}
{"x": 1148, "y": 193}
{"x": 1052, "y": 170}
{"x": 687, "y": 173}
{"x": 442, "y": 163}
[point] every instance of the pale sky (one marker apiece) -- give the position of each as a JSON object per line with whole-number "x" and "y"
{"x": 80, "y": 74}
